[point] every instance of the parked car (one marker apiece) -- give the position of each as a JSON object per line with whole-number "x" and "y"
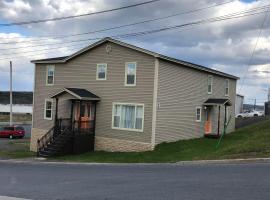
{"x": 250, "y": 113}
{"x": 12, "y": 131}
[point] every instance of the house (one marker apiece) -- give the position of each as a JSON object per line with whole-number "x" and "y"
{"x": 126, "y": 98}
{"x": 22, "y": 102}
{"x": 239, "y": 104}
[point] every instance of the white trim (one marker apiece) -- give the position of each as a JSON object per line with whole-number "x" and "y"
{"x": 211, "y": 84}
{"x": 154, "y": 114}
{"x": 227, "y": 80}
{"x": 101, "y": 79}
{"x": 47, "y": 67}
{"x": 48, "y": 100}
{"x": 131, "y": 104}
{"x": 126, "y": 64}
{"x": 198, "y": 107}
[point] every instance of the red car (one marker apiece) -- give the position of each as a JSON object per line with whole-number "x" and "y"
{"x": 12, "y": 131}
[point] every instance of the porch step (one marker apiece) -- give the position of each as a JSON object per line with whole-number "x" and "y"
{"x": 57, "y": 146}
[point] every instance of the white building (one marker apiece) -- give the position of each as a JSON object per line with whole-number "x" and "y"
{"x": 239, "y": 102}
{"x": 22, "y": 102}
{"x": 16, "y": 109}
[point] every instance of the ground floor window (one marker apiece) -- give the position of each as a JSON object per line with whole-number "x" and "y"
{"x": 128, "y": 116}
{"x": 198, "y": 114}
{"x": 48, "y": 109}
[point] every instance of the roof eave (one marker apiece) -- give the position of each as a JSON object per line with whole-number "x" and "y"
{"x": 154, "y": 54}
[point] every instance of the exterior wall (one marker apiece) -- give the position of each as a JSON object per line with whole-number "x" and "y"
{"x": 180, "y": 90}
{"x": 80, "y": 72}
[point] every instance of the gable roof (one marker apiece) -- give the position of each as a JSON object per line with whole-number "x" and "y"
{"x": 212, "y": 101}
{"x": 156, "y": 55}
{"x": 78, "y": 93}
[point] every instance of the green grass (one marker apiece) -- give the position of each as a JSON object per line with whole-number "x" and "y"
{"x": 17, "y": 148}
{"x": 248, "y": 142}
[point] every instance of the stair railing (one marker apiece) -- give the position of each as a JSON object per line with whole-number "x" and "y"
{"x": 61, "y": 127}
{"x": 45, "y": 139}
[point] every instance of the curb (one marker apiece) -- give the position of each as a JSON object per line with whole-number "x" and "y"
{"x": 226, "y": 161}
{"x": 196, "y": 162}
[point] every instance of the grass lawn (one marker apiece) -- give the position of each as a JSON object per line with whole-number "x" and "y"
{"x": 248, "y": 142}
{"x": 16, "y": 148}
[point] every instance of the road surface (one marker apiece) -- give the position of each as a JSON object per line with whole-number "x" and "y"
{"x": 138, "y": 182}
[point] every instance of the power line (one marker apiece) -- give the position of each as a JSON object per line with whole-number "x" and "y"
{"x": 76, "y": 16}
{"x": 207, "y": 20}
{"x": 254, "y": 48}
{"x": 118, "y": 27}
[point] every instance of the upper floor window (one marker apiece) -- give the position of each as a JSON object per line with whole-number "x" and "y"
{"x": 198, "y": 114}
{"x": 128, "y": 116}
{"x": 227, "y": 86}
{"x": 101, "y": 71}
{"x": 50, "y": 75}
{"x": 210, "y": 84}
{"x": 48, "y": 109}
{"x": 130, "y": 74}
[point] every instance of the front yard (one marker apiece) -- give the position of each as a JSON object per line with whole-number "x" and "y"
{"x": 249, "y": 142}
{"x": 16, "y": 148}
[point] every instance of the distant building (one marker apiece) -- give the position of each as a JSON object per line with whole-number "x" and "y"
{"x": 22, "y": 102}
{"x": 239, "y": 104}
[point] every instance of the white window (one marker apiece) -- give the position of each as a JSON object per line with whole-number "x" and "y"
{"x": 210, "y": 84}
{"x": 127, "y": 116}
{"x": 227, "y": 86}
{"x": 50, "y": 75}
{"x": 198, "y": 114}
{"x": 101, "y": 71}
{"x": 48, "y": 109}
{"x": 130, "y": 74}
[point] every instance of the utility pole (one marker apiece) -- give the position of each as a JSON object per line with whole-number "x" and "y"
{"x": 10, "y": 94}
{"x": 269, "y": 95}
{"x": 254, "y": 104}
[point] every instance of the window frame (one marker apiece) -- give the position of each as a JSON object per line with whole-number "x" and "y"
{"x": 210, "y": 76}
{"x": 45, "y": 109}
{"x": 97, "y": 77}
{"x": 227, "y": 81}
{"x": 200, "y": 108}
{"x": 126, "y": 67}
{"x": 47, "y": 74}
{"x": 128, "y": 104}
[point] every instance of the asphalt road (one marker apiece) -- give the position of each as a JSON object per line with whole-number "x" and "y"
{"x": 138, "y": 182}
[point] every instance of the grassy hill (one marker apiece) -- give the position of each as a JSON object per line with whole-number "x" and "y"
{"x": 248, "y": 142}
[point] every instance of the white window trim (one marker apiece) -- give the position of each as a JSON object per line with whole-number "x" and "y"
{"x": 47, "y": 67}
{"x": 211, "y": 84}
{"x": 127, "y": 129}
{"x": 226, "y": 87}
{"x": 198, "y": 107}
{"x": 48, "y": 100}
{"x": 126, "y": 64}
{"x": 101, "y": 79}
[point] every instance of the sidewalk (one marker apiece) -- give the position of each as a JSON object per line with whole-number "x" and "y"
{"x": 197, "y": 162}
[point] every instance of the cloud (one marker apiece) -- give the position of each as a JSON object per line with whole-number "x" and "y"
{"x": 225, "y": 46}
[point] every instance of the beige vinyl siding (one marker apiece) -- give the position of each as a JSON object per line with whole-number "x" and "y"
{"x": 180, "y": 91}
{"x": 80, "y": 72}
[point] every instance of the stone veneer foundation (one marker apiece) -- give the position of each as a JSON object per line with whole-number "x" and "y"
{"x": 101, "y": 143}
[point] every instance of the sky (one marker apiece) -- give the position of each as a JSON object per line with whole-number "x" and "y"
{"x": 226, "y": 46}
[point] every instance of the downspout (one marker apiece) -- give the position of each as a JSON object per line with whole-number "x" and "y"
{"x": 218, "y": 120}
